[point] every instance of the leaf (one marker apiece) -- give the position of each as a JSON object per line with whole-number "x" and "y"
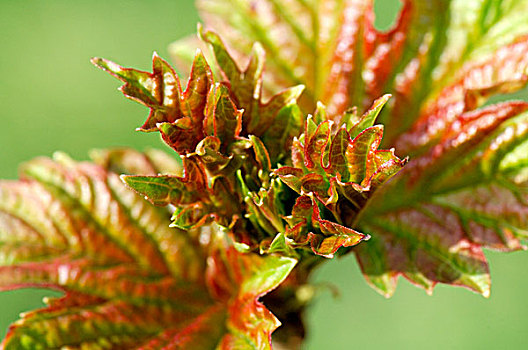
{"x": 178, "y": 115}
{"x": 130, "y": 281}
{"x": 335, "y": 174}
{"x": 475, "y": 83}
{"x": 426, "y": 245}
{"x": 135, "y": 277}
{"x": 322, "y": 46}
{"x": 445, "y": 206}
{"x": 209, "y": 108}
{"x": 332, "y": 165}
{"x": 256, "y": 276}
{"x": 216, "y": 140}
{"x": 276, "y": 121}
{"x": 438, "y": 57}
{"x": 160, "y": 90}
{"x": 306, "y": 227}
{"x": 128, "y": 161}
{"x": 169, "y": 189}
{"x": 463, "y": 191}
{"x": 223, "y": 119}
{"x": 196, "y": 196}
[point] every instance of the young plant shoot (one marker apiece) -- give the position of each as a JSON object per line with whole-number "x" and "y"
{"x": 298, "y": 132}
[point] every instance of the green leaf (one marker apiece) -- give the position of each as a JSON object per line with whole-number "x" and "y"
{"x": 162, "y": 190}
{"x": 194, "y": 196}
{"x": 279, "y": 244}
{"x": 369, "y": 118}
{"x": 168, "y": 189}
{"x": 257, "y": 276}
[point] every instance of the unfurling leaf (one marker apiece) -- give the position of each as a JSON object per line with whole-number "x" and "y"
{"x": 276, "y": 121}
{"x": 207, "y": 108}
{"x": 169, "y": 189}
{"x": 228, "y": 147}
{"x": 338, "y": 173}
{"x": 160, "y": 90}
{"x": 178, "y": 115}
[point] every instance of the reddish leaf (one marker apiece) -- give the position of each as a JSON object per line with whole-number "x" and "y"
{"x": 130, "y": 280}
{"x": 160, "y": 90}
{"x": 340, "y": 174}
{"x": 475, "y": 83}
{"x": 223, "y": 119}
{"x": 276, "y": 121}
{"x": 441, "y": 61}
{"x": 448, "y": 204}
{"x": 178, "y": 115}
{"x": 464, "y": 189}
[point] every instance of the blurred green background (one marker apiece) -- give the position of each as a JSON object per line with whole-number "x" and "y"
{"x": 51, "y": 98}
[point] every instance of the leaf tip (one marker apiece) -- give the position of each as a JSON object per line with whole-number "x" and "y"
{"x": 95, "y": 61}
{"x": 297, "y": 91}
{"x": 100, "y": 62}
{"x": 124, "y": 178}
{"x": 199, "y": 28}
{"x": 163, "y": 127}
{"x": 109, "y": 66}
{"x": 106, "y": 65}
{"x": 198, "y": 54}
{"x": 385, "y": 97}
{"x": 62, "y": 158}
{"x": 258, "y": 50}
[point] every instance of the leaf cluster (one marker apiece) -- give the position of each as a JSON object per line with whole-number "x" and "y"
{"x": 279, "y": 164}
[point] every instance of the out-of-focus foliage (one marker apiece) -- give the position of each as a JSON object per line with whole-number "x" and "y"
{"x": 130, "y": 280}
